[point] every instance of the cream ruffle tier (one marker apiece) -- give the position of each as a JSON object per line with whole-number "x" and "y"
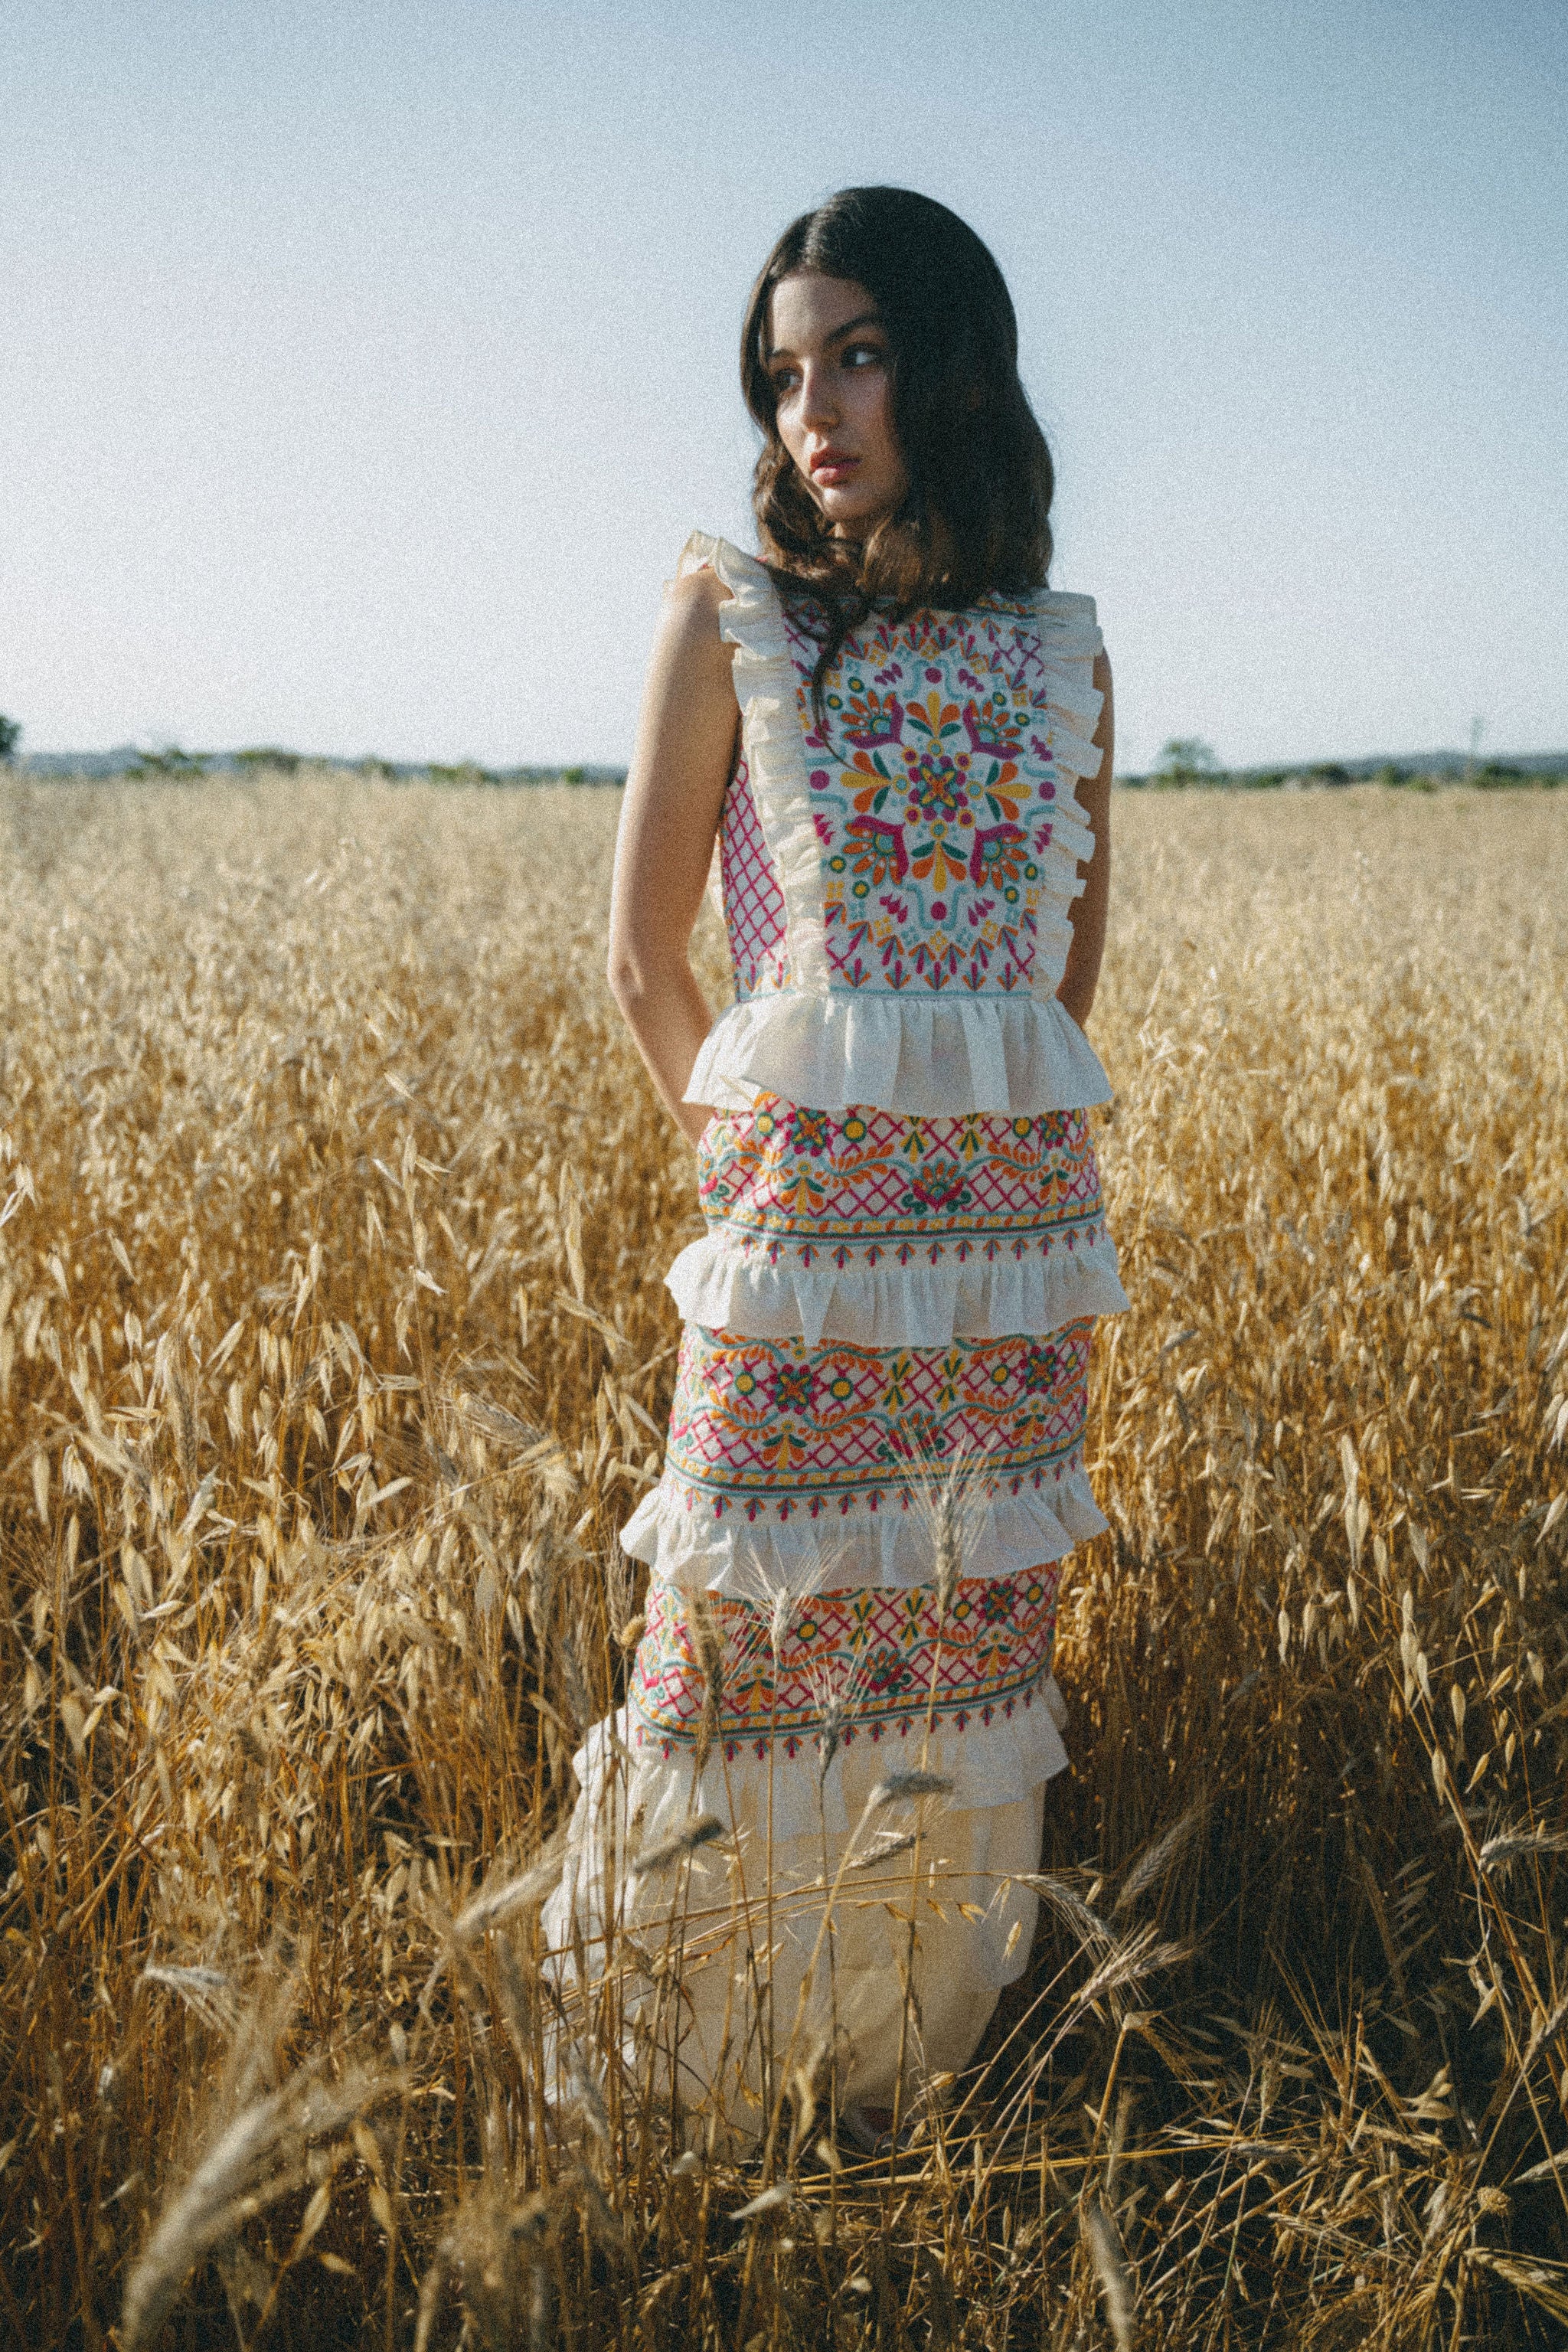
{"x": 854, "y": 1550}
{"x": 724, "y": 1287}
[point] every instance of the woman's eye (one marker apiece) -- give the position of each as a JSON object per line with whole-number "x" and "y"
{"x": 859, "y": 355}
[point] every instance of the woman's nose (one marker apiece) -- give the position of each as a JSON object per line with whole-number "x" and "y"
{"x": 817, "y": 403}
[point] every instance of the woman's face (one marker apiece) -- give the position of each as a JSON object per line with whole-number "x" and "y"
{"x": 831, "y": 367}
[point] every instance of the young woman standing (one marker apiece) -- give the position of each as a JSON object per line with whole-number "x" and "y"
{"x": 901, "y": 740}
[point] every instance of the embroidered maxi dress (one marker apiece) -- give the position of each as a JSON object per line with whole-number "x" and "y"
{"x": 875, "y": 1465}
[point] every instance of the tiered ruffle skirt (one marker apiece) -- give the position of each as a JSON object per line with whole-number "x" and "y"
{"x": 875, "y": 1469}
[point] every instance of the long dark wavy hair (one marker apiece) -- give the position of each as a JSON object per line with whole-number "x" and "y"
{"x": 977, "y": 515}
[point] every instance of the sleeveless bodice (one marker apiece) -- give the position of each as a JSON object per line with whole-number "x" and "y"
{"x": 898, "y": 874}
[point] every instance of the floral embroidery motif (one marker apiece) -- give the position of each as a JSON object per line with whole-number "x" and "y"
{"x": 893, "y": 1656}
{"x": 934, "y": 793}
{"x": 867, "y": 1188}
{"x": 778, "y": 1429}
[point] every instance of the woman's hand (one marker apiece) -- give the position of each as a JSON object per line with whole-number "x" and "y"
{"x": 1082, "y": 977}
{"x": 680, "y": 769}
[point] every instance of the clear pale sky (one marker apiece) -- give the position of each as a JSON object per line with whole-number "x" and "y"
{"x": 364, "y": 366}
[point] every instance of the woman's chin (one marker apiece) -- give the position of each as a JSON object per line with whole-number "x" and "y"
{"x": 852, "y": 513}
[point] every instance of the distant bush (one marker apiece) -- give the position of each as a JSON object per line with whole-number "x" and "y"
{"x": 10, "y": 735}
{"x": 465, "y": 772}
{"x": 1187, "y": 760}
{"x": 169, "y": 764}
{"x": 267, "y": 755}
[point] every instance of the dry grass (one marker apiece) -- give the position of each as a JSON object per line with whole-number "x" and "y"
{"x": 332, "y": 1352}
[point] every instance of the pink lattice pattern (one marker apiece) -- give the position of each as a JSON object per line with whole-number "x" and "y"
{"x": 777, "y": 1424}
{"x": 754, "y": 914}
{"x": 885, "y": 1659}
{"x": 779, "y": 1173}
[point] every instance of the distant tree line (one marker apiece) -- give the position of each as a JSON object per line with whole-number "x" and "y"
{"x": 1186, "y": 760}
{"x": 171, "y": 764}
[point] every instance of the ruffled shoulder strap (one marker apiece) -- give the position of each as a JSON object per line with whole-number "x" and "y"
{"x": 751, "y": 590}
{"x": 752, "y": 620}
{"x": 1069, "y": 640}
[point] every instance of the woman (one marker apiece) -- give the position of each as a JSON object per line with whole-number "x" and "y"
{"x": 903, "y": 744}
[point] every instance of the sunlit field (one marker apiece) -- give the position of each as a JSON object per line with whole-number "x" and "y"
{"x": 334, "y": 1351}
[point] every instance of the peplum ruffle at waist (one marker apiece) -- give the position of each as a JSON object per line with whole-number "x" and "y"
{"x": 926, "y": 1057}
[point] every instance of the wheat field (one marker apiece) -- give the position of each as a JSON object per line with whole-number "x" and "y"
{"x": 333, "y": 1351}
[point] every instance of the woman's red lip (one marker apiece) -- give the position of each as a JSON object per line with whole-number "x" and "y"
{"x": 831, "y": 461}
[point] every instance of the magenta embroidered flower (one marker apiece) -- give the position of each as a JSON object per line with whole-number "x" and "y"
{"x": 870, "y": 719}
{"x": 997, "y": 855}
{"x": 808, "y": 1131}
{"x": 887, "y": 1671}
{"x": 990, "y": 727}
{"x": 792, "y": 1388}
{"x": 940, "y": 1184}
{"x": 936, "y": 785}
{"x": 879, "y": 849}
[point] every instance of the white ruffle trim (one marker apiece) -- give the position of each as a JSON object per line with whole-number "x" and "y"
{"x": 988, "y": 1764}
{"x": 927, "y": 1058}
{"x": 854, "y": 1550}
{"x": 752, "y": 622}
{"x": 725, "y": 1288}
{"x": 1069, "y": 640}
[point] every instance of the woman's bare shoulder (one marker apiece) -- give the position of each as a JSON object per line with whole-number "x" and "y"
{"x": 689, "y": 631}
{"x": 697, "y": 593}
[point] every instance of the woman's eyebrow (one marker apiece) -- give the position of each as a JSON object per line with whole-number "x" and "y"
{"x": 866, "y": 318}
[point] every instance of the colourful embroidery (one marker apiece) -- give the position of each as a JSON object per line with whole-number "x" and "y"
{"x": 934, "y": 791}
{"x": 866, "y": 1188}
{"x": 887, "y": 1657}
{"x": 774, "y": 1428}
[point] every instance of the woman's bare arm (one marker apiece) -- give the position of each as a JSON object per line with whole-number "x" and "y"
{"x": 1083, "y": 974}
{"x": 685, "y": 748}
